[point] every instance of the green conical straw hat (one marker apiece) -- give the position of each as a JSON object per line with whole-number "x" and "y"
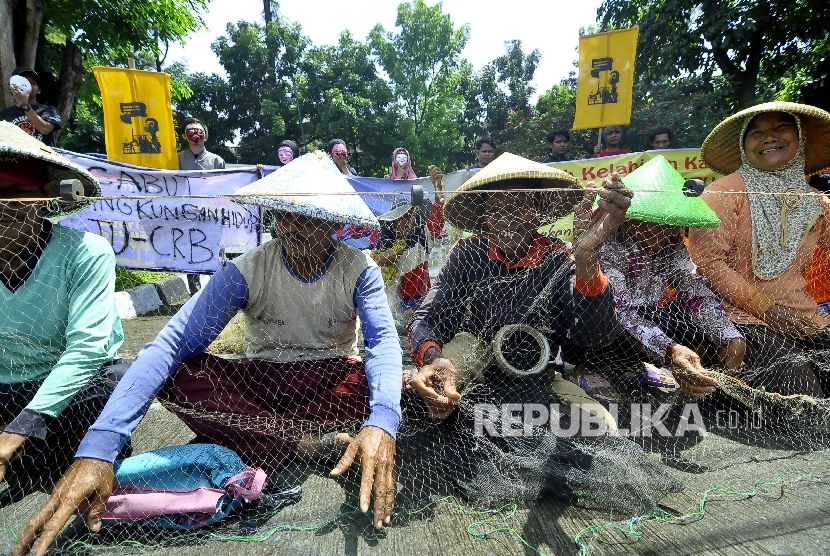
{"x": 659, "y": 197}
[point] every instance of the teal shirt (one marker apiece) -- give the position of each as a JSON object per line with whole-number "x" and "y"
{"x": 61, "y": 325}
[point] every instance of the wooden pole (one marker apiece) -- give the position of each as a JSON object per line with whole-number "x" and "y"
{"x": 599, "y": 140}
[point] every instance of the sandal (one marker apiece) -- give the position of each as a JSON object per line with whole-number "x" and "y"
{"x": 649, "y": 375}
{"x": 598, "y": 387}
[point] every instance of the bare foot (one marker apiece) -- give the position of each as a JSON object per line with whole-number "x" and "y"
{"x": 314, "y": 447}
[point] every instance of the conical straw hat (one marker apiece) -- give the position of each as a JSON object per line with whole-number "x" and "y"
{"x": 16, "y": 143}
{"x": 659, "y": 197}
{"x": 722, "y": 149}
{"x": 465, "y": 210}
{"x": 307, "y": 186}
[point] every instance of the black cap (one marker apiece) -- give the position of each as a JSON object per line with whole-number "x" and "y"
{"x": 25, "y": 71}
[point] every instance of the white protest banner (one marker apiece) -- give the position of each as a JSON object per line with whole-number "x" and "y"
{"x": 168, "y": 219}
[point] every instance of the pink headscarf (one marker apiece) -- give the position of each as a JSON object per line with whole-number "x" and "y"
{"x": 393, "y": 172}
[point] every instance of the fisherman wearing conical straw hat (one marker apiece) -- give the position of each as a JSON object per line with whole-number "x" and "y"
{"x": 59, "y": 327}
{"x": 301, "y": 295}
{"x": 507, "y": 273}
{"x": 772, "y": 222}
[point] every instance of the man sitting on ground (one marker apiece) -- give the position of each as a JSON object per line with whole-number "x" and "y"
{"x": 59, "y": 328}
{"x": 301, "y": 294}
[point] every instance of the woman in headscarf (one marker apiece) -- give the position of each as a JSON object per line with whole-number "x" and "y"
{"x": 401, "y": 168}
{"x": 771, "y": 223}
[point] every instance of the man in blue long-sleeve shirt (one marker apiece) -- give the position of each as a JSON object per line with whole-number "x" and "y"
{"x": 301, "y": 295}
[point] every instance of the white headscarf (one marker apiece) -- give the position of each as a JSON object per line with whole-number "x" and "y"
{"x": 773, "y": 248}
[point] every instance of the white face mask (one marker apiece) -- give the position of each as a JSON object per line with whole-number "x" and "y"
{"x": 402, "y": 159}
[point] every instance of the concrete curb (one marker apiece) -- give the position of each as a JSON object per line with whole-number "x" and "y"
{"x": 162, "y": 297}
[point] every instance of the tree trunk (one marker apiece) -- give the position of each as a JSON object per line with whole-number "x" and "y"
{"x": 69, "y": 81}
{"x": 7, "y": 58}
{"x": 746, "y": 89}
{"x": 31, "y": 33}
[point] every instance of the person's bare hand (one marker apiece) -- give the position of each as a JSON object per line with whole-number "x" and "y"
{"x": 436, "y": 176}
{"x": 10, "y": 445}
{"x": 593, "y": 227}
{"x": 689, "y": 372}
{"x": 790, "y": 322}
{"x": 374, "y": 448}
{"x": 19, "y": 96}
{"x": 435, "y": 383}
{"x": 731, "y": 356}
{"x": 597, "y": 150}
{"x": 87, "y": 481}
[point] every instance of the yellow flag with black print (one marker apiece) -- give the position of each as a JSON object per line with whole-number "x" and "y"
{"x": 138, "y": 117}
{"x": 604, "y": 88}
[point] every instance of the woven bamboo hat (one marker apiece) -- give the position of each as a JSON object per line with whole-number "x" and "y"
{"x": 722, "y": 149}
{"x": 308, "y": 186}
{"x": 16, "y": 144}
{"x": 465, "y": 210}
{"x": 660, "y": 197}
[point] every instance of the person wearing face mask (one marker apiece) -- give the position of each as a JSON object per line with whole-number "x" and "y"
{"x": 339, "y": 153}
{"x": 59, "y": 326}
{"x": 287, "y": 151}
{"x": 196, "y": 156}
{"x": 772, "y": 221}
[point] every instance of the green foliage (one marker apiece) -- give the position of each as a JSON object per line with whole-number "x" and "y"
{"x": 501, "y": 88}
{"x": 423, "y": 62}
{"x": 110, "y": 29}
{"x": 689, "y": 106}
{"x": 346, "y": 98}
{"x": 256, "y": 106}
{"x": 129, "y": 279}
{"x": 740, "y": 39}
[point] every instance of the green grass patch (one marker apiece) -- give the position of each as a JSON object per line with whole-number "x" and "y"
{"x": 129, "y": 279}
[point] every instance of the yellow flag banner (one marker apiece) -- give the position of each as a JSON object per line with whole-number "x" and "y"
{"x": 138, "y": 117}
{"x": 604, "y": 88}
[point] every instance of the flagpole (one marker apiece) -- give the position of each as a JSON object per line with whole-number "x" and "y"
{"x": 599, "y": 139}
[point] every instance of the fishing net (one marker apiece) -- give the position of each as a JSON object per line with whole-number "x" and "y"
{"x": 570, "y": 425}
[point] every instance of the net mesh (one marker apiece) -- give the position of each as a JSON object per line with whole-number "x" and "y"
{"x": 574, "y": 429}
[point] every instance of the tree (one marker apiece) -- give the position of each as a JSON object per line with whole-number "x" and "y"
{"x": 743, "y": 39}
{"x": 502, "y": 87}
{"x": 58, "y": 37}
{"x": 423, "y": 62}
{"x": 346, "y": 98}
{"x": 258, "y": 101}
